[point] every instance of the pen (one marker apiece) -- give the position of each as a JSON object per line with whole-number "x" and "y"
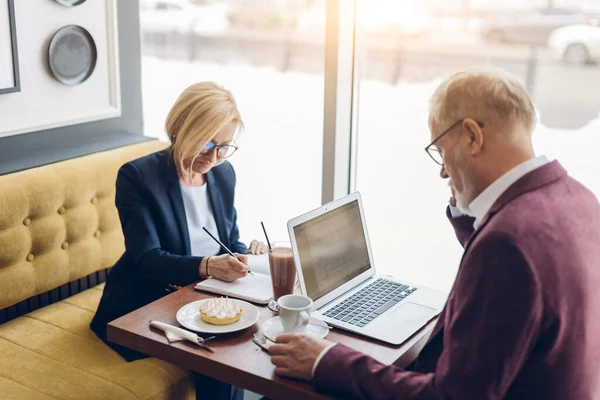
{"x": 224, "y": 247}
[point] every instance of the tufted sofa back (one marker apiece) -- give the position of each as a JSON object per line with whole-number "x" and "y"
{"x": 59, "y": 223}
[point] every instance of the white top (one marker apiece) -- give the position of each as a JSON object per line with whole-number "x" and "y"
{"x": 199, "y": 214}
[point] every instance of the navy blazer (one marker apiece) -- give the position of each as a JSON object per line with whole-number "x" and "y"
{"x": 157, "y": 243}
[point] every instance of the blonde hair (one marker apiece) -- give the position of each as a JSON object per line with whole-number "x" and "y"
{"x": 490, "y": 95}
{"x": 199, "y": 113}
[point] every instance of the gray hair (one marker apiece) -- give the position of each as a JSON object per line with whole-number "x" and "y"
{"x": 489, "y": 95}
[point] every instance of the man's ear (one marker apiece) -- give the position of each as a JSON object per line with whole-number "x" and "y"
{"x": 475, "y": 135}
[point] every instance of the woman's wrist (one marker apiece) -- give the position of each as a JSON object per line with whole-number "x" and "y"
{"x": 206, "y": 266}
{"x": 202, "y": 268}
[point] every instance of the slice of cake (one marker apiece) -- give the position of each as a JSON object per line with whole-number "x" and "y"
{"x": 222, "y": 311}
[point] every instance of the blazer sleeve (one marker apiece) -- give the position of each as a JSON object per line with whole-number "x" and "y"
{"x": 141, "y": 238}
{"x": 463, "y": 226}
{"x": 234, "y": 234}
{"x": 489, "y": 333}
{"x": 234, "y": 237}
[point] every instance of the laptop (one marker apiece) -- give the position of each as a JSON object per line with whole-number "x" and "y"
{"x": 335, "y": 268}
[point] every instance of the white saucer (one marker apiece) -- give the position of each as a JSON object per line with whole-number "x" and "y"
{"x": 189, "y": 317}
{"x": 272, "y": 328}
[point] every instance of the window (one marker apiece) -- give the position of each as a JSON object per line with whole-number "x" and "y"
{"x": 405, "y": 48}
{"x": 271, "y": 56}
{"x": 557, "y": 11}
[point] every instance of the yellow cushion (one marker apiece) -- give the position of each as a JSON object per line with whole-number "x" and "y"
{"x": 59, "y": 223}
{"x": 51, "y": 353}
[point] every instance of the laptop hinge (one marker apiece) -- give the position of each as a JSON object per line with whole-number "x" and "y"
{"x": 343, "y": 294}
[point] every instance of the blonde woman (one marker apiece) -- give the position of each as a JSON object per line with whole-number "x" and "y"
{"x": 164, "y": 200}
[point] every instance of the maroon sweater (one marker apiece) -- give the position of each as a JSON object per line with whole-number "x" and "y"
{"x": 523, "y": 318}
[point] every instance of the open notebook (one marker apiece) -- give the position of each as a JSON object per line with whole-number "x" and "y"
{"x": 256, "y": 289}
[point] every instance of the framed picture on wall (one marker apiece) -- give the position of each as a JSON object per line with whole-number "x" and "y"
{"x": 87, "y": 61}
{"x": 9, "y": 61}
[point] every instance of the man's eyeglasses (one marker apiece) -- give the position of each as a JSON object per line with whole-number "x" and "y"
{"x": 223, "y": 150}
{"x": 433, "y": 152}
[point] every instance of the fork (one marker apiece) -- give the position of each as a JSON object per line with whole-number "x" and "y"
{"x": 261, "y": 340}
{"x": 202, "y": 343}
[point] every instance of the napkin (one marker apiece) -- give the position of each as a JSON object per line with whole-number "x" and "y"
{"x": 174, "y": 333}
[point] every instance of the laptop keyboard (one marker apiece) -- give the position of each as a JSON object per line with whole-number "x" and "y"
{"x": 370, "y": 302}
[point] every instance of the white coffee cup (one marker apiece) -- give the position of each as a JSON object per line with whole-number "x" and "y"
{"x": 294, "y": 311}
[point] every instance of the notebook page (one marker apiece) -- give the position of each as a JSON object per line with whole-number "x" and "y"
{"x": 259, "y": 263}
{"x": 254, "y": 288}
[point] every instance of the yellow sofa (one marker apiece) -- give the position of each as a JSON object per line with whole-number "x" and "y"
{"x": 59, "y": 225}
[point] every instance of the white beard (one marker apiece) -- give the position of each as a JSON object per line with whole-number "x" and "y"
{"x": 462, "y": 203}
{"x": 464, "y": 198}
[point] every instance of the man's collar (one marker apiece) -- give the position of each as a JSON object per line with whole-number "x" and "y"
{"x": 486, "y": 199}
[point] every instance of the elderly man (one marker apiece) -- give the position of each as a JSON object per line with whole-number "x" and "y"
{"x": 523, "y": 318}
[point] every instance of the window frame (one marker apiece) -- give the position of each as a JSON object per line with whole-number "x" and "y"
{"x": 340, "y": 117}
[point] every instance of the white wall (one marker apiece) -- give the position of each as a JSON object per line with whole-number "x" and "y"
{"x": 43, "y": 102}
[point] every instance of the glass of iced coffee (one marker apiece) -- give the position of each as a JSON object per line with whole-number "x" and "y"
{"x": 283, "y": 271}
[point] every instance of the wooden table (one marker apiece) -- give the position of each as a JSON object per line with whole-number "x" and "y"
{"x": 237, "y": 360}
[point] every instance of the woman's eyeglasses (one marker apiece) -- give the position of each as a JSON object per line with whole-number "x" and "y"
{"x": 223, "y": 150}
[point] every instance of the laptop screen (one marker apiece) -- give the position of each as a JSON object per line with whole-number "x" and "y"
{"x": 332, "y": 249}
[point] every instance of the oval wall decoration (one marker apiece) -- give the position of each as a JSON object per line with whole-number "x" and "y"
{"x": 72, "y": 55}
{"x": 69, "y": 3}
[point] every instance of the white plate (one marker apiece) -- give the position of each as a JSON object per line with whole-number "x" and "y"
{"x": 272, "y": 328}
{"x": 189, "y": 317}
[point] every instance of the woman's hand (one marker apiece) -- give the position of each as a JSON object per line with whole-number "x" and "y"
{"x": 257, "y": 247}
{"x": 227, "y": 268}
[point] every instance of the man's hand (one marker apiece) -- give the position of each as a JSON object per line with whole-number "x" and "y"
{"x": 294, "y": 354}
{"x": 257, "y": 247}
